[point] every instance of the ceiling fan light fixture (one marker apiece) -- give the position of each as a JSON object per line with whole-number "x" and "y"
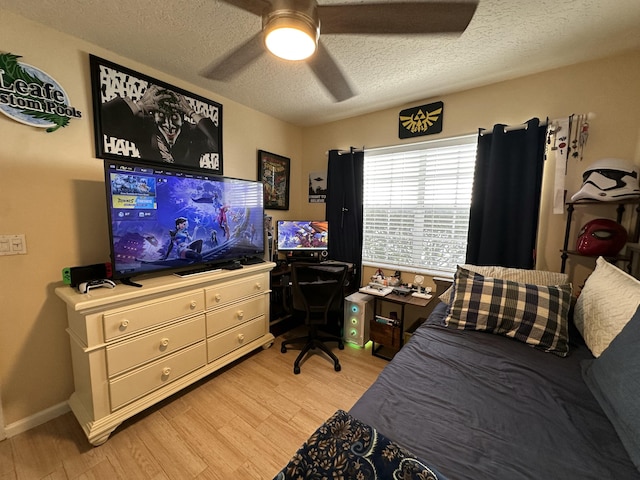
{"x": 291, "y": 37}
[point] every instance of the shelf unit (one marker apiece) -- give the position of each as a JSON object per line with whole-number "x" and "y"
{"x": 620, "y": 210}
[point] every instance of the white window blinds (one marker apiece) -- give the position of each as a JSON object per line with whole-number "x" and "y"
{"x": 416, "y": 205}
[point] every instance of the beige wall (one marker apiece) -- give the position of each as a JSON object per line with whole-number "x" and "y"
{"x": 609, "y": 88}
{"x": 51, "y": 186}
{"x": 51, "y": 189}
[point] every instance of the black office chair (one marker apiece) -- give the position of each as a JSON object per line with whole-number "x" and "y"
{"x": 318, "y": 291}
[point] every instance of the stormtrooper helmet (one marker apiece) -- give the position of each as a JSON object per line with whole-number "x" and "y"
{"x": 601, "y": 237}
{"x": 608, "y": 180}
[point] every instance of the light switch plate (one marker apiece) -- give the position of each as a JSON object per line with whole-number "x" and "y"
{"x": 13, "y": 244}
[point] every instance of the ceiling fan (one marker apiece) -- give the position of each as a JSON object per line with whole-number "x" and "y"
{"x": 307, "y": 20}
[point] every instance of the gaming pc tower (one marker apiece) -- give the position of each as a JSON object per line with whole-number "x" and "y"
{"x": 358, "y": 312}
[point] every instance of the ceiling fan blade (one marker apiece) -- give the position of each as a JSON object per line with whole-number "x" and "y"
{"x": 397, "y": 18}
{"x": 257, "y": 7}
{"x": 231, "y": 64}
{"x": 329, "y": 74}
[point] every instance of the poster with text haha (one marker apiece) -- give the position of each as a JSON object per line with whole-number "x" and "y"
{"x": 142, "y": 118}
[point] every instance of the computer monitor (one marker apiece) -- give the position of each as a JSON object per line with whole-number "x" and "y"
{"x": 303, "y": 238}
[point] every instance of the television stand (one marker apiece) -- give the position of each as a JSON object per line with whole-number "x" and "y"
{"x": 131, "y": 283}
{"x": 133, "y": 347}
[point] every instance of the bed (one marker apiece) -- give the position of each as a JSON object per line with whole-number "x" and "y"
{"x": 498, "y": 383}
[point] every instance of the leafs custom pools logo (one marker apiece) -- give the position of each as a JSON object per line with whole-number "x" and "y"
{"x": 30, "y": 96}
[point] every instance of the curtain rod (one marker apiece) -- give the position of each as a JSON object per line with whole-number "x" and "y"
{"x": 353, "y": 150}
{"x": 522, "y": 126}
{"x": 511, "y": 128}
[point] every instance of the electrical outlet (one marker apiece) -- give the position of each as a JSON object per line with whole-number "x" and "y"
{"x": 13, "y": 244}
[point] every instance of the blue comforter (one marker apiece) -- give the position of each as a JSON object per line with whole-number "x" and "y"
{"x": 481, "y": 406}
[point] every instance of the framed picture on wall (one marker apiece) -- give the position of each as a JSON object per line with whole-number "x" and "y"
{"x": 318, "y": 187}
{"x": 142, "y": 118}
{"x": 273, "y": 171}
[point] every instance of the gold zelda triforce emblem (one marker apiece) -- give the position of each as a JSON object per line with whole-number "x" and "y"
{"x": 422, "y": 120}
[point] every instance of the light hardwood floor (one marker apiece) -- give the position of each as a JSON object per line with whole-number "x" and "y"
{"x": 244, "y": 422}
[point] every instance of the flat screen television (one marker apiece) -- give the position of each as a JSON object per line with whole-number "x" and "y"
{"x": 302, "y": 236}
{"x": 167, "y": 218}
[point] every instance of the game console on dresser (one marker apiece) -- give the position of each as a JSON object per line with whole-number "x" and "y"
{"x": 74, "y": 276}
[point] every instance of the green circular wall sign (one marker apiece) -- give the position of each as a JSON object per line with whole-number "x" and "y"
{"x": 32, "y": 97}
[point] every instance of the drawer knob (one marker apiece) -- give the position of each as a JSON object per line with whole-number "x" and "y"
{"x": 164, "y": 343}
{"x": 193, "y": 304}
{"x": 240, "y": 314}
{"x": 217, "y": 297}
{"x": 124, "y": 323}
{"x": 258, "y": 286}
{"x": 241, "y": 337}
{"x": 166, "y": 371}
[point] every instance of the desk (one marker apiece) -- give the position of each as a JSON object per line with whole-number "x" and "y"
{"x": 390, "y": 338}
{"x": 282, "y": 316}
{"x": 281, "y": 305}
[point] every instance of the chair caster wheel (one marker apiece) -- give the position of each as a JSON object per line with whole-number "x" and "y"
{"x": 341, "y": 346}
{"x": 283, "y": 349}
{"x": 296, "y": 370}
{"x": 337, "y": 367}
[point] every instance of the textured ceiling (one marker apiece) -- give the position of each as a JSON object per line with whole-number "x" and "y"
{"x": 505, "y": 39}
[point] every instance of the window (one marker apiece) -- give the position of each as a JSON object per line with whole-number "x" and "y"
{"x": 416, "y": 205}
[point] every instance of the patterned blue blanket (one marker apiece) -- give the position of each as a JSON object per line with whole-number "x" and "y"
{"x": 343, "y": 447}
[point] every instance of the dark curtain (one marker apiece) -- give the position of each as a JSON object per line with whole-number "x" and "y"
{"x": 344, "y": 207}
{"x": 505, "y": 202}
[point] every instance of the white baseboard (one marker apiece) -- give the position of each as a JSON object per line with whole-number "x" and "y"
{"x": 37, "y": 419}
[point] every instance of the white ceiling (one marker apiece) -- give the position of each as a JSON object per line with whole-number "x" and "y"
{"x": 505, "y": 39}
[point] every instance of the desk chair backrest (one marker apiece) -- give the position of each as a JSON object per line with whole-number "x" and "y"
{"x": 318, "y": 290}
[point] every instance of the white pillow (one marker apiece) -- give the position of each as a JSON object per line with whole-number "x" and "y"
{"x": 607, "y": 302}
{"x": 520, "y": 275}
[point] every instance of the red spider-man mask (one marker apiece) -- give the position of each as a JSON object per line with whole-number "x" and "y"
{"x": 601, "y": 237}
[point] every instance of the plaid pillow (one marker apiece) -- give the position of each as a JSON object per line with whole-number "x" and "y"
{"x": 536, "y": 277}
{"x": 533, "y": 314}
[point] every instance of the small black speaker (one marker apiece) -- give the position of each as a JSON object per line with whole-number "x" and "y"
{"x": 324, "y": 255}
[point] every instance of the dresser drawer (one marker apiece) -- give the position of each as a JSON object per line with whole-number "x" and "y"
{"x": 231, "y": 291}
{"x": 142, "y": 349}
{"x": 155, "y": 375}
{"x": 122, "y": 322}
{"x": 238, "y": 313}
{"x": 228, "y": 341}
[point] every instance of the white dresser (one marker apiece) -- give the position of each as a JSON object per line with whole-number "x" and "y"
{"x": 132, "y": 347}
